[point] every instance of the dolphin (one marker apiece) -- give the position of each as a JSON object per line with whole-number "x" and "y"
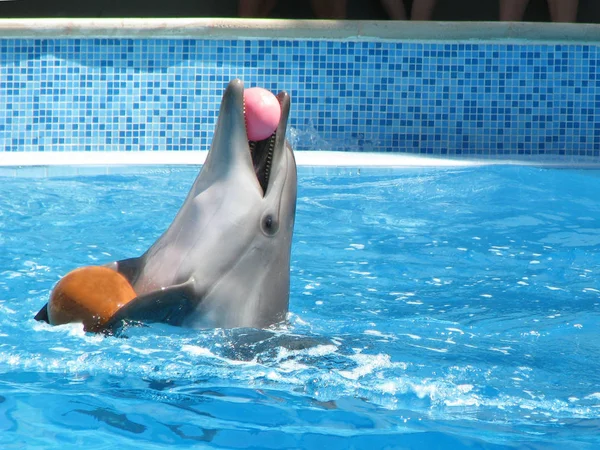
{"x": 224, "y": 262}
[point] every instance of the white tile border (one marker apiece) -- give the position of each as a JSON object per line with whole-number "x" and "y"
{"x": 303, "y": 159}
{"x": 211, "y": 28}
{"x": 94, "y": 158}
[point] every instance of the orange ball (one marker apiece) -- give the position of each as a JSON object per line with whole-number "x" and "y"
{"x": 89, "y": 295}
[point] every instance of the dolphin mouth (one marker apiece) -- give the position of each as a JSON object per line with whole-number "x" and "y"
{"x": 263, "y": 152}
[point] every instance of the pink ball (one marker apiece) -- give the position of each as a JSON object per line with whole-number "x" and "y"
{"x": 262, "y": 113}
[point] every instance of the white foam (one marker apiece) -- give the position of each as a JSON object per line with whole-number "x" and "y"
{"x": 366, "y": 365}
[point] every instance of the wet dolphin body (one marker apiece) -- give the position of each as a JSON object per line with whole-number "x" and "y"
{"x": 225, "y": 259}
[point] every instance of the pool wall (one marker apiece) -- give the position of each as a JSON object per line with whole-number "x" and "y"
{"x": 492, "y": 91}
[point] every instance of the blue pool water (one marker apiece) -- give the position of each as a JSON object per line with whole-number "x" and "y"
{"x": 453, "y": 308}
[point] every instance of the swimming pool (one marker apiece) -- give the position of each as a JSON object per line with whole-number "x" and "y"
{"x": 429, "y": 308}
{"x": 449, "y": 307}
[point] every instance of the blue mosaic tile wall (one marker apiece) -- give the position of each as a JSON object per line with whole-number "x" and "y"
{"x": 484, "y": 100}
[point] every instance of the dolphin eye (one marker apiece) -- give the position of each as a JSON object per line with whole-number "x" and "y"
{"x": 269, "y": 224}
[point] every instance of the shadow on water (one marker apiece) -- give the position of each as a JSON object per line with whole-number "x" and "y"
{"x": 112, "y": 419}
{"x": 262, "y": 345}
{"x": 122, "y": 422}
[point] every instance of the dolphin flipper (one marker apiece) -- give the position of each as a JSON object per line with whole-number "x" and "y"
{"x": 170, "y": 305}
{"x": 42, "y": 315}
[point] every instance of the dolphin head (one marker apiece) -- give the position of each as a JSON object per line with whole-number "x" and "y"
{"x": 267, "y": 167}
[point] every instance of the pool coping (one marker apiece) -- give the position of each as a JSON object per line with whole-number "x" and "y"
{"x": 218, "y": 28}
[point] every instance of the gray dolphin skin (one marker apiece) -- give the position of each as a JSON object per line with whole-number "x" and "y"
{"x": 225, "y": 259}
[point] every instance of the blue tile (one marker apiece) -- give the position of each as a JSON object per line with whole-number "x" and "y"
{"x": 482, "y": 99}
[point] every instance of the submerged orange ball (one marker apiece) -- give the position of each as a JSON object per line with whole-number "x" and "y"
{"x": 89, "y": 295}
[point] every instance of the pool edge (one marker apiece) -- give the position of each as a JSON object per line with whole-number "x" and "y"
{"x": 218, "y": 28}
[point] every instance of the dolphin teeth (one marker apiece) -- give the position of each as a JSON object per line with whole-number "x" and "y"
{"x": 244, "y": 113}
{"x": 269, "y": 160}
